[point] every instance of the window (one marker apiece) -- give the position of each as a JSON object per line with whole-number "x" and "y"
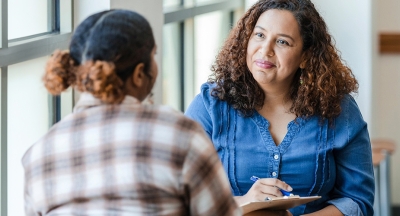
{"x": 193, "y": 34}
{"x": 27, "y": 17}
{"x": 169, "y": 3}
{"x": 199, "y": 2}
{"x": 172, "y": 51}
{"x": 25, "y": 126}
{"x": 212, "y": 35}
{"x": 30, "y": 31}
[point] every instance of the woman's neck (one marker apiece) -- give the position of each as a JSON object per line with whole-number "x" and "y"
{"x": 277, "y": 98}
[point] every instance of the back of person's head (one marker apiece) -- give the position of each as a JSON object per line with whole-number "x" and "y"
{"x": 104, "y": 51}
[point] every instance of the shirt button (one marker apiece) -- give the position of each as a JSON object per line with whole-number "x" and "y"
{"x": 276, "y": 157}
{"x": 274, "y": 174}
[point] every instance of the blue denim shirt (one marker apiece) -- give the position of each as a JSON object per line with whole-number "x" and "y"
{"x": 314, "y": 158}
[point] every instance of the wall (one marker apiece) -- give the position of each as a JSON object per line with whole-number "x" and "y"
{"x": 386, "y": 80}
{"x": 350, "y": 24}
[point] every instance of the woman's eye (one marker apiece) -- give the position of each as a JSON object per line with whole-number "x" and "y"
{"x": 282, "y": 42}
{"x": 260, "y": 35}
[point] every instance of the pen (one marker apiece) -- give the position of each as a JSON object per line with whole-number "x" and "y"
{"x": 285, "y": 193}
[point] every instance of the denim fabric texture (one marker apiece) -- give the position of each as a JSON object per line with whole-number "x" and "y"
{"x": 314, "y": 158}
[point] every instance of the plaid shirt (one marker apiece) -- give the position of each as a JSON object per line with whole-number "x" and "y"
{"x": 127, "y": 159}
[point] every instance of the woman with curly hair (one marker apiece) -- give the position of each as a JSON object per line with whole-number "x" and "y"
{"x": 278, "y": 106}
{"x": 114, "y": 155}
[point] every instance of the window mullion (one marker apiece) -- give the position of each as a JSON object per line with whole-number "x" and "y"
{"x": 4, "y": 113}
{"x": 4, "y": 24}
{"x": 188, "y": 42}
{"x": 3, "y": 145}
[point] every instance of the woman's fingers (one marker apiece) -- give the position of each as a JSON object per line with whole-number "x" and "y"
{"x": 270, "y": 191}
{"x": 260, "y": 191}
{"x": 266, "y": 188}
{"x": 275, "y": 182}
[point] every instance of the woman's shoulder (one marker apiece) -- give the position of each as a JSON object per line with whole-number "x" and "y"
{"x": 349, "y": 106}
{"x": 206, "y": 90}
{"x": 350, "y": 116}
{"x": 206, "y": 99}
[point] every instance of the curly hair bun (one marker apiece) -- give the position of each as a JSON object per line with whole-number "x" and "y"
{"x": 99, "y": 78}
{"x": 59, "y": 73}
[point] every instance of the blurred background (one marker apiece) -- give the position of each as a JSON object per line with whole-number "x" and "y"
{"x": 189, "y": 34}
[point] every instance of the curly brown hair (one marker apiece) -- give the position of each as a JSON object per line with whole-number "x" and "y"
{"x": 325, "y": 79}
{"x": 104, "y": 51}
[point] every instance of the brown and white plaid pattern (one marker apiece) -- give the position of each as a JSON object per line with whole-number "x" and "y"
{"x": 128, "y": 159}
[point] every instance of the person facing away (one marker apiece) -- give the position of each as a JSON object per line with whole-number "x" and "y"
{"x": 278, "y": 106}
{"x": 114, "y": 155}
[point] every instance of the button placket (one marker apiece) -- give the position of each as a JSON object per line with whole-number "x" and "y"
{"x": 275, "y": 161}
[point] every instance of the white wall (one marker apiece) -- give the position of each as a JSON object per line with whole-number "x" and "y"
{"x": 350, "y": 23}
{"x": 387, "y": 87}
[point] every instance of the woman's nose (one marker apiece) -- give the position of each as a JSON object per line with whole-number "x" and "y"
{"x": 266, "y": 50}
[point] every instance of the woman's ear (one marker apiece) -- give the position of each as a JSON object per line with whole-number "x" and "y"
{"x": 303, "y": 65}
{"x": 303, "y": 60}
{"x": 138, "y": 75}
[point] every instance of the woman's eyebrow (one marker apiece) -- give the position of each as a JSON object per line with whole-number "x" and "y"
{"x": 287, "y": 36}
{"x": 260, "y": 27}
{"x": 280, "y": 34}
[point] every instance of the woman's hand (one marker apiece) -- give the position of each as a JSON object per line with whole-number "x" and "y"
{"x": 263, "y": 189}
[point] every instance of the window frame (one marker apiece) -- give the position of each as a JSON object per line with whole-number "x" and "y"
{"x": 184, "y": 14}
{"x": 20, "y": 50}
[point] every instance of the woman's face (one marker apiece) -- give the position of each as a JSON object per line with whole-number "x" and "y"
{"x": 274, "y": 51}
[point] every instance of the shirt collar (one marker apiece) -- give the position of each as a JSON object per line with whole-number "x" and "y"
{"x": 87, "y": 100}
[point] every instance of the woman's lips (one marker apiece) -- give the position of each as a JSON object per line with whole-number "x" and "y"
{"x": 264, "y": 64}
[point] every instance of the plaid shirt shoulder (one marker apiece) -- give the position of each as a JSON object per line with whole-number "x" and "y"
{"x": 123, "y": 160}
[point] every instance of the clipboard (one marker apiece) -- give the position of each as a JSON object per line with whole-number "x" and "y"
{"x": 280, "y": 203}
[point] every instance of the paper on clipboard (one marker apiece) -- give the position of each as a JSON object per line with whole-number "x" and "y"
{"x": 277, "y": 204}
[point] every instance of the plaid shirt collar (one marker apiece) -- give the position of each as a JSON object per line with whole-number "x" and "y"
{"x": 87, "y": 100}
